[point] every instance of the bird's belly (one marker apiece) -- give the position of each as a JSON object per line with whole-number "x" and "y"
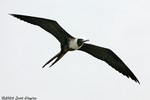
{"x": 73, "y": 45}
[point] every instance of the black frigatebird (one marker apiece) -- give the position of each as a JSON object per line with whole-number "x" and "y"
{"x": 70, "y": 43}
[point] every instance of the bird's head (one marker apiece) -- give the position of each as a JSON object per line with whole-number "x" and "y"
{"x": 81, "y": 41}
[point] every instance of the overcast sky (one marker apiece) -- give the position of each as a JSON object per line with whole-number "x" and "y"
{"x": 121, "y": 25}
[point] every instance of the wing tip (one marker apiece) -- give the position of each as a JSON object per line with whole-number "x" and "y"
{"x": 14, "y": 15}
{"x": 133, "y": 77}
{"x": 136, "y": 80}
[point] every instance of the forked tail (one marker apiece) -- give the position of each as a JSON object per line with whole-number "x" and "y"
{"x": 58, "y": 56}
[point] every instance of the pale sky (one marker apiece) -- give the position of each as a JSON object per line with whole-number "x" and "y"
{"x": 121, "y": 25}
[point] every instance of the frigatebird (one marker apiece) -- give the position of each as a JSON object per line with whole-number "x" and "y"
{"x": 70, "y": 43}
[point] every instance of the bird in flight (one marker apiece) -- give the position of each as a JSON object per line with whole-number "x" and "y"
{"x": 70, "y": 43}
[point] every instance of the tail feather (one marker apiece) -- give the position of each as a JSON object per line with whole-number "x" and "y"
{"x": 58, "y": 56}
{"x": 51, "y": 60}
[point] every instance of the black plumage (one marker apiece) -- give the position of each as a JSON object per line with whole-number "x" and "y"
{"x": 70, "y": 43}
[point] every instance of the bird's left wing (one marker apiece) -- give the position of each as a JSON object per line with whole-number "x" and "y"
{"x": 50, "y": 26}
{"x": 109, "y": 57}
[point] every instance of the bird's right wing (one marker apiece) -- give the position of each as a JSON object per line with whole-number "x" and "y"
{"x": 110, "y": 58}
{"x": 50, "y": 26}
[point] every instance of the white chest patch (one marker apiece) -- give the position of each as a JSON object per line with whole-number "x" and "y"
{"x": 73, "y": 44}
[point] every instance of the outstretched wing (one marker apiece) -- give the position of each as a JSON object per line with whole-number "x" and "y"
{"x": 50, "y": 26}
{"x": 109, "y": 57}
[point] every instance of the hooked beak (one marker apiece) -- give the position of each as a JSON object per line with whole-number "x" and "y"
{"x": 85, "y": 40}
